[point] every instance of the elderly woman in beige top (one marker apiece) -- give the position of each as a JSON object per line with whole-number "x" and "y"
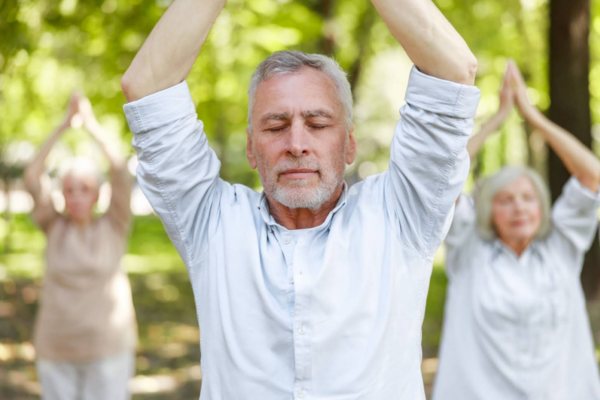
{"x": 85, "y": 332}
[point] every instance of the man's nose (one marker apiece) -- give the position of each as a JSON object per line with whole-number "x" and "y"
{"x": 298, "y": 140}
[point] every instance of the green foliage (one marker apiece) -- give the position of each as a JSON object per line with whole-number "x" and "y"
{"x": 434, "y": 313}
{"x": 51, "y": 48}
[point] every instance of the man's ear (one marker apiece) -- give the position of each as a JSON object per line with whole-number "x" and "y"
{"x": 249, "y": 149}
{"x": 350, "y": 148}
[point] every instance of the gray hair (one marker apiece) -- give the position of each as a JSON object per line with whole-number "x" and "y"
{"x": 489, "y": 187}
{"x": 289, "y": 61}
{"x": 80, "y": 167}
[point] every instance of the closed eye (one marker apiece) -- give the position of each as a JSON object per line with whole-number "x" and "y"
{"x": 275, "y": 128}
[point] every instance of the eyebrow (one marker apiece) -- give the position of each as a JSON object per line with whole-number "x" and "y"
{"x": 316, "y": 113}
{"x": 275, "y": 117}
{"x": 285, "y": 116}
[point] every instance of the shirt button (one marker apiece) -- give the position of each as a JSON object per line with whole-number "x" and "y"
{"x": 286, "y": 241}
{"x": 301, "y": 330}
{"x": 301, "y": 394}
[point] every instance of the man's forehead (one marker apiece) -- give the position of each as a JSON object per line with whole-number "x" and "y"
{"x": 305, "y": 76}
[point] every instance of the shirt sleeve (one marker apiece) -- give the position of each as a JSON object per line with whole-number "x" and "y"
{"x": 429, "y": 161}
{"x": 574, "y": 220}
{"x": 463, "y": 222}
{"x": 177, "y": 170}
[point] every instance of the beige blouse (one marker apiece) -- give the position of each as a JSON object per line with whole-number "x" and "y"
{"x": 86, "y": 310}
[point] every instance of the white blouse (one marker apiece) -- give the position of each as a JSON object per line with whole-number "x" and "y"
{"x": 516, "y": 327}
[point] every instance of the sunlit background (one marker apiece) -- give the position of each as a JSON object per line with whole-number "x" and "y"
{"x": 50, "y": 48}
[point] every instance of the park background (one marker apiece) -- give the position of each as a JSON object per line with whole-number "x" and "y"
{"x": 49, "y": 48}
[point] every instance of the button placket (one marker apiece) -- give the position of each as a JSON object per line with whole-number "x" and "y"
{"x": 302, "y": 339}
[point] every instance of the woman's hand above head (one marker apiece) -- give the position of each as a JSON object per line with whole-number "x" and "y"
{"x": 505, "y": 97}
{"x": 505, "y": 106}
{"x": 577, "y": 158}
{"x": 72, "y": 118}
{"x": 528, "y": 111}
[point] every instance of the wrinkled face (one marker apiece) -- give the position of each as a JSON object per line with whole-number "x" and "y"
{"x": 299, "y": 141}
{"x": 517, "y": 211}
{"x": 81, "y": 194}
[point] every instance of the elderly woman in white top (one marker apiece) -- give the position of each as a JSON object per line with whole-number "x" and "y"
{"x": 515, "y": 324}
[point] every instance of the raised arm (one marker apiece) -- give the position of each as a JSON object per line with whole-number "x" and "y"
{"x": 494, "y": 123}
{"x": 99, "y": 135}
{"x": 119, "y": 210}
{"x": 37, "y": 167}
{"x": 430, "y": 41}
{"x": 170, "y": 50}
{"x": 578, "y": 159}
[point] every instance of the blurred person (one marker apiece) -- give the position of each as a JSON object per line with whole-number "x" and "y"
{"x": 515, "y": 324}
{"x": 312, "y": 289}
{"x": 85, "y": 332}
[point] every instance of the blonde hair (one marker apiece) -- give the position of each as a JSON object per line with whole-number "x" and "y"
{"x": 487, "y": 188}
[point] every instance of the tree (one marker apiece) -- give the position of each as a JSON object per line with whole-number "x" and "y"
{"x": 569, "y": 56}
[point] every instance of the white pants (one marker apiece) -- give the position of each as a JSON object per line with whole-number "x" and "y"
{"x": 104, "y": 379}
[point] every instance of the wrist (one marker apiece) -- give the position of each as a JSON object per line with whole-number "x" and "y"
{"x": 496, "y": 120}
{"x": 65, "y": 124}
{"x": 534, "y": 117}
{"x": 92, "y": 126}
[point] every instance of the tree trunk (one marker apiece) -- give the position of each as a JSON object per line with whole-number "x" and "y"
{"x": 570, "y": 99}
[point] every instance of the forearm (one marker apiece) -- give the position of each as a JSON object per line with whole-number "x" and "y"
{"x": 578, "y": 159}
{"x": 477, "y": 140}
{"x": 429, "y": 39}
{"x": 36, "y": 167}
{"x": 109, "y": 149}
{"x": 170, "y": 50}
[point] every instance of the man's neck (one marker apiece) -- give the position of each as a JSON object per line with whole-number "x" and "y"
{"x": 302, "y": 218}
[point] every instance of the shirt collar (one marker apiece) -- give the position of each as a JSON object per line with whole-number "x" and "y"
{"x": 499, "y": 247}
{"x": 263, "y": 209}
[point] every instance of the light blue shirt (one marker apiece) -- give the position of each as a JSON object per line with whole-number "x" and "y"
{"x": 331, "y": 312}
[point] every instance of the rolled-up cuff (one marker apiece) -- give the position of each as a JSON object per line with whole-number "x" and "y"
{"x": 441, "y": 96}
{"x": 160, "y": 108}
{"x": 578, "y": 194}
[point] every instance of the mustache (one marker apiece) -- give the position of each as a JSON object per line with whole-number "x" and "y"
{"x": 296, "y": 164}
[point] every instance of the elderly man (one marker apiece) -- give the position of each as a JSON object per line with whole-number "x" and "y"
{"x": 311, "y": 289}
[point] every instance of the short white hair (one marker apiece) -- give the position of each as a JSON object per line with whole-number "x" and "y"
{"x": 290, "y": 61}
{"x": 80, "y": 167}
{"x": 488, "y": 187}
